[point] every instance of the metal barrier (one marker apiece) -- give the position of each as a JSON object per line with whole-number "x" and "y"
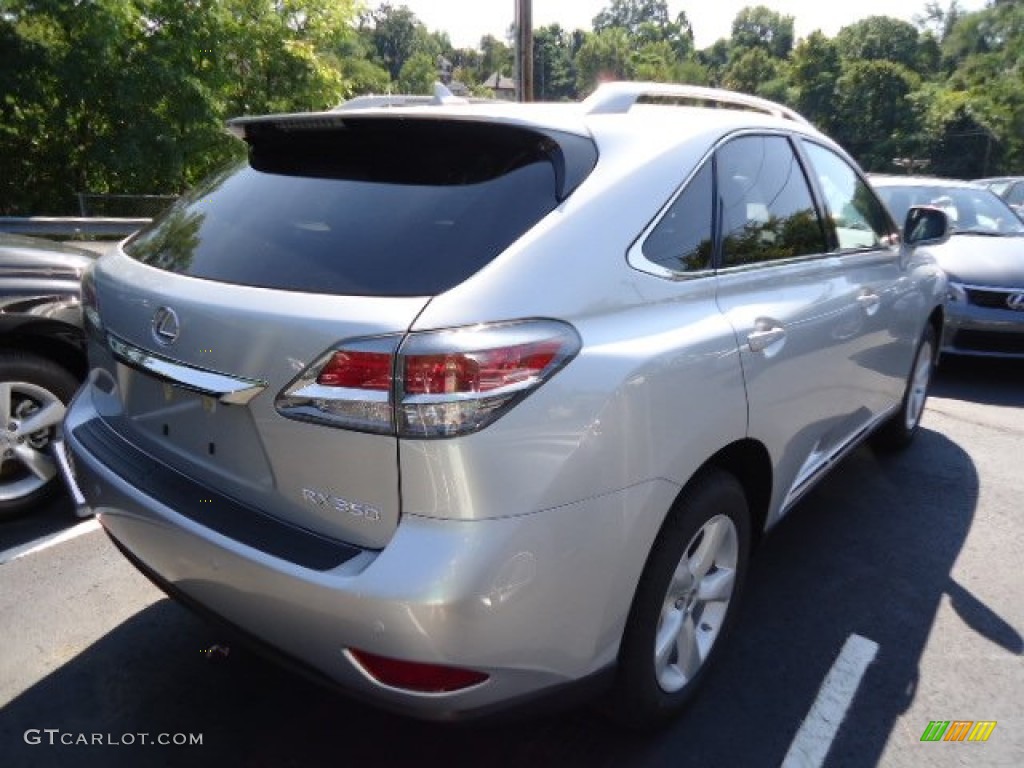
{"x": 66, "y": 227}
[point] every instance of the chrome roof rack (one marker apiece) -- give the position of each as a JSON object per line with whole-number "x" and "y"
{"x": 619, "y": 97}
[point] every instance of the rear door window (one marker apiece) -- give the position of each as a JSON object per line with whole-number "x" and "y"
{"x": 767, "y": 211}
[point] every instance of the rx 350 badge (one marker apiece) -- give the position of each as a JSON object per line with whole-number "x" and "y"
{"x": 355, "y": 508}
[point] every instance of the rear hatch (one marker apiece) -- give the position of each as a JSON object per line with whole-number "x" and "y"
{"x": 336, "y": 232}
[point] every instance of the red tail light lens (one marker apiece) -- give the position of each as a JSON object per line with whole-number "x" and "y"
{"x": 357, "y": 370}
{"x": 430, "y": 384}
{"x": 482, "y": 371}
{"x": 415, "y": 676}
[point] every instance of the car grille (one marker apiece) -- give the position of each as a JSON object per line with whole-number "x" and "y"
{"x": 991, "y": 299}
{"x": 981, "y": 297}
{"x": 988, "y": 341}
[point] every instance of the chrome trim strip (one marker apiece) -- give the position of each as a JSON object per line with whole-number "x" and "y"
{"x": 60, "y": 454}
{"x": 230, "y": 390}
{"x": 810, "y": 476}
{"x": 314, "y": 391}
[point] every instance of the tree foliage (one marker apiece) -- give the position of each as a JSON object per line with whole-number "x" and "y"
{"x": 761, "y": 27}
{"x": 880, "y": 38}
{"x": 131, "y": 95}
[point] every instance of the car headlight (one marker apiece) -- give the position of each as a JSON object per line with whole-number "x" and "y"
{"x": 956, "y": 293}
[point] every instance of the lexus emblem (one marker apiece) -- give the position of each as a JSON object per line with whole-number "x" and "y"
{"x": 1015, "y": 301}
{"x": 165, "y": 326}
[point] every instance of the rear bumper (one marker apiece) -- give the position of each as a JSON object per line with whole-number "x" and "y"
{"x": 535, "y": 601}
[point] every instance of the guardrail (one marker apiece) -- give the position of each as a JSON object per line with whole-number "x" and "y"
{"x": 71, "y": 227}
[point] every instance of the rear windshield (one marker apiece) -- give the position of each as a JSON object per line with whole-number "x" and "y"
{"x": 370, "y": 207}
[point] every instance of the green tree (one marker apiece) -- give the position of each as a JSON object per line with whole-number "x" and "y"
{"x": 418, "y": 75}
{"x": 813, "y": 72}
{"x": 554, "y": 73}
{"x": 604, "y": 55}
{"x": 393, "y": 35}
{"x": 751, "y": 70}
{"x": 761, "y": 27}
{"x": 495, "y": 56}
{"x": 646, "y": 22}
{"x": 131, "y": 95}
{"x": 880, "y": 38}
{"x": 873, "y": 116}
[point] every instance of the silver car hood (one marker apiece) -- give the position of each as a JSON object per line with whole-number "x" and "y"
{"x": 995, "y": 262}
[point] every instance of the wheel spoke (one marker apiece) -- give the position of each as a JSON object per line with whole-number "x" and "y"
{"x": 44, "y": 418}
{"x": 716, "y": 586}
{"x": 682, "y": 580}
{"x": 38, "y": 463}
{"x": 702, "y": 560}
{"x": 688, "y": 651}
{"x": 5, "y": 404}
{"x": 668, "y": 635}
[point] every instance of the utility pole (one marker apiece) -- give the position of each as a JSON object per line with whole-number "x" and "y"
{"x": 524, "y": 50}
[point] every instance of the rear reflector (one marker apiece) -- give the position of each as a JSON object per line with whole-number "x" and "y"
{"x": 416, "y": 676}
{"x": 429, "y": 384}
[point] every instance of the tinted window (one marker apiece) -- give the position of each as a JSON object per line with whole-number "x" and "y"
{"x": 767, "y": 209}
{"x": 854, "y": 212}
{"x": 376, "y": 208}
{"x": 1016, "y": 194}
{"x": 969, "y": 209}
{"x": 682, "y": 240}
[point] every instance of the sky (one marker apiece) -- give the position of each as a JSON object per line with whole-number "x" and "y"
{"x": 466, "y": 21}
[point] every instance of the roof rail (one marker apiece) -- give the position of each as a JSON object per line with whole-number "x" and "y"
{"x": 619, "y": 97}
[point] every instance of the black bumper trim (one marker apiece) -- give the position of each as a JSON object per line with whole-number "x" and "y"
{"x": 211, "y": 508}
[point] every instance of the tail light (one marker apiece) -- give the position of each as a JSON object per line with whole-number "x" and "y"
{"x": 432, "y": 384}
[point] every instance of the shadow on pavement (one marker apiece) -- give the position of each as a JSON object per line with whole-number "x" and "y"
{"x": 985, "y": 380}
{"x": 870, "y": 551}
{"x": 54, "y": 516}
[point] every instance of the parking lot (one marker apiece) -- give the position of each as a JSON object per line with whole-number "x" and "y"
{"x": 918, "y": 554}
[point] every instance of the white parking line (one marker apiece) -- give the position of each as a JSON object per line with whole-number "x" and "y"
{"x": 810, "y": 747}
{"x": 88, "y": 526}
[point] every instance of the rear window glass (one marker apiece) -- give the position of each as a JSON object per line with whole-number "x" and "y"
{"x": 377, "y": 207}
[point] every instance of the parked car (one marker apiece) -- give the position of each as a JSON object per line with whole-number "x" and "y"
{"x": 984, "y": 259}
{"x": 42, "y": 361}
{"x": 1010, "y": 188}
{"x": 457, "y": 406}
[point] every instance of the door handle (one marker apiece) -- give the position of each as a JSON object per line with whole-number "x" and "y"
{"x": 870, "y": 302}
{"x": 762, "y": 338}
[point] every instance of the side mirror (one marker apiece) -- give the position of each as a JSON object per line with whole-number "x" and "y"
{"x": 926, "y": 225}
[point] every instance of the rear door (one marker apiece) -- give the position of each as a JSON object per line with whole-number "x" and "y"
{"x": 796, "y": 309}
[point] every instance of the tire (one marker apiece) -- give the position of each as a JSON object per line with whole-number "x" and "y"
{"x": 34, "y": 392}
{"x": 685, "y": 603}
{"x": 899, "y": 431}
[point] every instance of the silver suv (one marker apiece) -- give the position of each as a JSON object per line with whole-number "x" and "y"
{"x": 458, "y": 405}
